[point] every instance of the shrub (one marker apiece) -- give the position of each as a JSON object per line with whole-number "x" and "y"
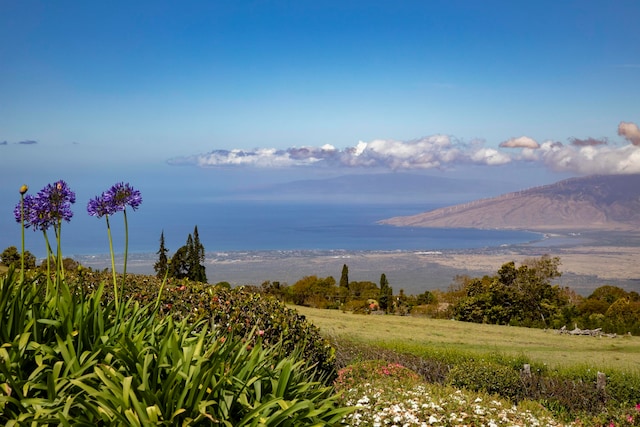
{"x": 237, "y": 310}
{"x": 486, "y": 376}
{"x": 240, "y": 311}
{"x": 70, "y": 358}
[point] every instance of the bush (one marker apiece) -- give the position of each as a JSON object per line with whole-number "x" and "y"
{"x": 486, "y": 376}
{"x": 237, "y": 310}
{"x": 72, "y": 357}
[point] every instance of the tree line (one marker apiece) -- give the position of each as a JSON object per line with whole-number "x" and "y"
{"x": 517, "y": 295}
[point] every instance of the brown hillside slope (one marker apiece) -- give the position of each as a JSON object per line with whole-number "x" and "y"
{"x": 600, "y": 202}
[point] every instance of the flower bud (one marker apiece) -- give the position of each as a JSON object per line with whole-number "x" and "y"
{"x": 24, "y": 189}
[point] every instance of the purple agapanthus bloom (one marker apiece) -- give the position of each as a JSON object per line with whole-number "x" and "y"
{"x": 100, "y": 206}
{"x": 122, "y": 195}
{"x": 115, "y": 199}
{"x": 24, "y": 209}
{"x": 49, "y": 207}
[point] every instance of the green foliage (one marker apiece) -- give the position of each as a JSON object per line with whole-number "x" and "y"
{"x": 385, "y": 297}
{"x": 11, "y": 257}
{"x": 315, "y": 292}
{"x": 490, "y": 377}
{"x": 72, "y": 357}
{"x": 516, "y": 295}
{"x": 611, "y": 308}
{"x": 188, "y": 261}
{"x": 344, "y": 277}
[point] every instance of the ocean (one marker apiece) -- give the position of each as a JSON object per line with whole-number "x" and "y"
{"x": 262, "y": 225}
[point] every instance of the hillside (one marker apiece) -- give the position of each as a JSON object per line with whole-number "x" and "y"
{"x": 599, "y": 202}
{"x": 382, "y": 187}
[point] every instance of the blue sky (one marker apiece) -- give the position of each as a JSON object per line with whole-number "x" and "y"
{"x": 118, "y": 88}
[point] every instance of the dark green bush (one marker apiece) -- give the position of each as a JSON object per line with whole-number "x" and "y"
{"x": 232, "y": 310}
{"x": 486, "y": 376}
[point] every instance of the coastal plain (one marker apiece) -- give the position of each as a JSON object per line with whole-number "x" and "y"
{"x": 588, "y": 260}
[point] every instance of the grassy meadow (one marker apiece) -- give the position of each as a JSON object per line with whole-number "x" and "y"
{"x": 423, "y": 337}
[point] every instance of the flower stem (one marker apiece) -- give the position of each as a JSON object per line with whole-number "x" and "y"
{"x": 113, "y": 264}
{"x": 49, "y": 253}
{"x": 59, "y": 265}
{"x": 22, "y": 223}
{"x": 126, "y": 249}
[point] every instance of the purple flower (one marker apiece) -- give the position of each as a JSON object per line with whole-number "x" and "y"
{"x": 26, "y": 206}
{"x": 121, "y": 195}
{"x": 49, "y": 207}
{"x": 115, "y": 199}
{"x": 99, "y": 206}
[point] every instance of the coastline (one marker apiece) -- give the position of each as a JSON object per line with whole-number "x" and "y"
{"x": 588, "y": 260}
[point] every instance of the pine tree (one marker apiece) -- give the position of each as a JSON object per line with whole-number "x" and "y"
{"x": 199, "y": 273}
{"x": 343, "y": 290}
{"x": 385, "y": 298}
{"x": 161, "y": 265}
{"x": 179, "y": 267}
{"x": 344, "y": 279}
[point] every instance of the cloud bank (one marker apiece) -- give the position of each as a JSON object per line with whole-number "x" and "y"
{"x": 581, "y": 156}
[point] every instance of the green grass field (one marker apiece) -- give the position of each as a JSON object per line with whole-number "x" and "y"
{"x": 423, "y": 336}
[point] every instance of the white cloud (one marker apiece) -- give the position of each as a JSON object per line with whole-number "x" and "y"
{"x": 580, "y": 156}
{"x": 490, "y": 156}
{"x": 521, "y": 142}
{"x": 588, "y": 160}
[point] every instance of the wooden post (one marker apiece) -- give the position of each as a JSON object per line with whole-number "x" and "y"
{"x": 601, "y": 381}
{"x": 526, "y": 370}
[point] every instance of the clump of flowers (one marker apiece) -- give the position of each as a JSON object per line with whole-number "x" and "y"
{"x": 374, "y": 370}
{"x": 116, "y": 199}
{"x": 380, "y": 403}
{"x": 47, "y": 209}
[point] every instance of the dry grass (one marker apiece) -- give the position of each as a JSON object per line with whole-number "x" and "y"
{"x": 422, "y": 336}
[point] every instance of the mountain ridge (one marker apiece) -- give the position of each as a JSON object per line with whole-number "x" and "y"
{"x": 596, "y": 202}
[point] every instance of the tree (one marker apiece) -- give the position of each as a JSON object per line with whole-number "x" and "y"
{"x": 179, "y": 267}
{"x": 385, "y": 297}
{"x": 197, "y": 270}
{"x": 188, "y": 261}
{"x": 344, "y": 278}
{"x": 314, "y": 291}
{"x": 425, "y": 298}
{"x": 520, "y": 295}
{"x": 344, "y": 284}
{"x": 11, "y": 256}
{"x": 161, "y": 266}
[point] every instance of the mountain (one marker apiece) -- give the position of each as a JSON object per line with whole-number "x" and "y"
{"x": 600, "y": 202}
{"x": 383, "y": 187}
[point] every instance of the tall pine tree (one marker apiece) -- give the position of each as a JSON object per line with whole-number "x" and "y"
{"x": 197, "y": 269}
{"x": 161, "y": 266}
{"x": 343, "y": 290}
{"x": 385, "y": 298}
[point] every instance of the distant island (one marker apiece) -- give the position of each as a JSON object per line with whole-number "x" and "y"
{"x": 593, "y": 203}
